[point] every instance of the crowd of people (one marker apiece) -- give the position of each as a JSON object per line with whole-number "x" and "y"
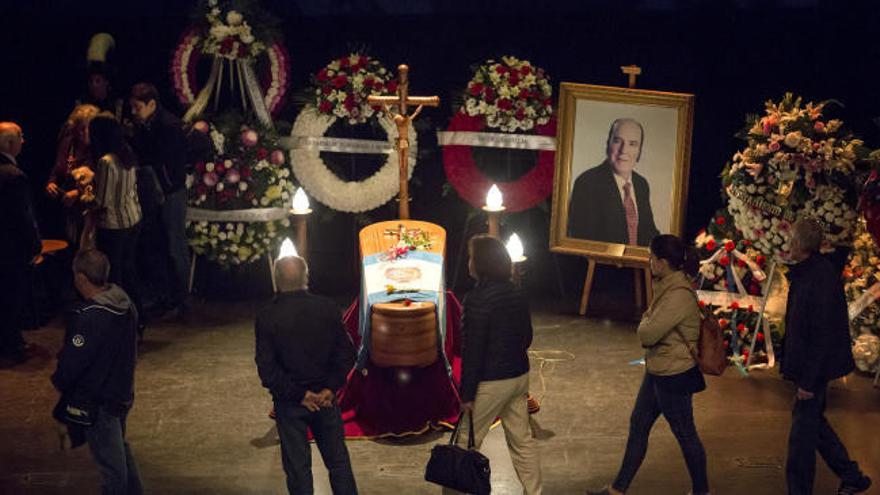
{"x": 120, "y": 182}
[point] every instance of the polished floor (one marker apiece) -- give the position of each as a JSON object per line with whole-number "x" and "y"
{"x": 199, "y": 423}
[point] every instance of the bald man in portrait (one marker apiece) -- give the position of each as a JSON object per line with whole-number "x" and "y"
{"x": 611, "y": 202}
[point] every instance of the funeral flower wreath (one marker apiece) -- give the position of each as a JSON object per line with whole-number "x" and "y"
{"x": 509, "y": 95}
{"x": 796, "y": 164}
{"x": 325, "y": 186}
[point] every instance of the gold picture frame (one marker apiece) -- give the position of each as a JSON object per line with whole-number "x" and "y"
{"x": 666, "y": 123}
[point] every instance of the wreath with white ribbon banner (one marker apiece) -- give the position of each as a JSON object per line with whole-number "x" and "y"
{"x": 307, "y": 141}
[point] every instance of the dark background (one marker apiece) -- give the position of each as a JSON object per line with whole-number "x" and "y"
{"x": 733, "y": 55}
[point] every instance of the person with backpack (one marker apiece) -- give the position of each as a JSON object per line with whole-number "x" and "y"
{"x": 669, "y": 332}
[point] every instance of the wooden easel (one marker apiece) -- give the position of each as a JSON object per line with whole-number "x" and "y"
{"x": 641, "y": 270}
{"x": 641, "y": 273}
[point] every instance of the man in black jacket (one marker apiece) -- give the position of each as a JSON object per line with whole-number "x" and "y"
{"x": 19, "y": 243}
{"x": 303, "y": 356}
{"x": 816, "y": 350}
{"x": 95, "y": 373}
{"x": 611, "y": 202}
{"x": 160, "y": 143}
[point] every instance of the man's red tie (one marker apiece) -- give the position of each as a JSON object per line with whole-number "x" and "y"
{"x": 632, "y": 216}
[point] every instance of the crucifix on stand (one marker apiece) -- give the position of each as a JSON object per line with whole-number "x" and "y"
{"x": 401, "y": 121}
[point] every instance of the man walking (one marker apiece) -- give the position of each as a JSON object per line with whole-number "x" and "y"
{"x": 816, "y": 350}
{"x": 303, "y": 356}
{"x": 160, "y": 144}
{"x": 95, "y": 373}
{"x": 19, "y": 244}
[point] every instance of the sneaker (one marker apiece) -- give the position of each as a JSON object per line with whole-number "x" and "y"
{"x": 858, "y": 486}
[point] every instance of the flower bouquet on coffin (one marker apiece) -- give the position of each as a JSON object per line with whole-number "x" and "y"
{"x": 862, "y": 283}
{"x": 238, "y": 193}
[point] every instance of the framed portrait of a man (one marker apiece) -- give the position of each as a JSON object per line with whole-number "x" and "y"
{"x": 622, "y": 162}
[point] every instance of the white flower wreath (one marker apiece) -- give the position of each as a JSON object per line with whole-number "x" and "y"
{"x": 323, "y": 185}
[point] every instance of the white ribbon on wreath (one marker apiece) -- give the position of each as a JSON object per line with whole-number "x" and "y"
{"x": 323, "y": 185}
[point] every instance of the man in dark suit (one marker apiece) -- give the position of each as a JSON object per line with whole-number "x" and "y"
{"x": 303, "y": 357}
{"x": 19, "y": 242}
{"x": 816, "y": 350}
{"x": 610, "y": 202}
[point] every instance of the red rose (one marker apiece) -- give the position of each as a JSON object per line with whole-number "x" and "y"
{"x": 476, "y": 89}
{"x": 746, "y": 352}
{"x": 524, "y": 93}
{"x": 363, "y": 60}
{"x": 726, "y": 344}
{"x": 391, "y": 86}
{"x": 724, "y": 261}
{"x": 547, "y": 102}
{"x": 376, "y": 108}
{"x": 489, "y": 93}
{"x": 701, "y": 303}
{"x": 245, "y": 172}
{"x": 729, "y": 246}
{"x": 711, "y": 245}
{"x": 339, "y": 81}
{"x": 722, "y": 323}
{"x": 322, "y": 75}
{"x": 734, "y": 305}
{"x": 343, "y": 62}
{"x": 740, "y": 263}
{"x": 747, "y": 242}
{"x": 220, "y": 168}
{"x": 760, "y": 337}
{"x": 368, "y": 82}
{"x": 505, "y": 104}
{"x": 513, "y": 78}
{"x": 325, "y": 106}
{"x": 720, "y": 220}
{"x": 226, "y": 44}
{"x": 760, "y": 259}
{"x": 200, "y": 167}
{"x": 520, "y": 114}
{"x": 241, "y": 50}
{"x": 326, "y": 90}
{"x": 525, "y": 70}
{"x": 741, "y": 328}
{"x": 262, "y": 153}
{"x": 348, "y": 103}
{"x": 500, "y": 69}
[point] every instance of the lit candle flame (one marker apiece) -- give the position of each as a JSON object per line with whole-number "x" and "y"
{"x": 515, "y": 248}
{"x": 300, "y": 202}
{"x": 494, "y": 200}
{"x": 287, "y": 249}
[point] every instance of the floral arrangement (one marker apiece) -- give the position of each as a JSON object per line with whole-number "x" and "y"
{"x": 739, "y": 326}
{"x": 343, "y": 86}
{"x": 409, "y": 240}
{"x": 715, "y": 272}
{"x": 245, "y": 171}
{"x": 863, "y": 271}
{"x": 231, "y": 37}
{"x": 796, "y": 164}
{"x": 512, "y": 94}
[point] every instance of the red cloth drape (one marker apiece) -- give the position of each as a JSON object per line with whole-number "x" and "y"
{"x": 401, "y": 401}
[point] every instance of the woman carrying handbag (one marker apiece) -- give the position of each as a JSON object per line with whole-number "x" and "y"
{"x": 669, "y": 332}
{"x": 497, "y": 333}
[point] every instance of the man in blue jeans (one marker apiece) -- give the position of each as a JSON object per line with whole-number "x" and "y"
{"x": 95, "y": 373}
{"x": 160, "y": 143}
{"x": 303, "y": 356}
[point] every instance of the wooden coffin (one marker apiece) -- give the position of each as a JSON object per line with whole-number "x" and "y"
{"x": 402, "y": 334}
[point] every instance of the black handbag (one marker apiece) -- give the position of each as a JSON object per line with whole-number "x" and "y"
{"x": 465, "y": 470}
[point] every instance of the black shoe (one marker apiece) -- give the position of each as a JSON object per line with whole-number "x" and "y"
{"x": 858, "y": 486}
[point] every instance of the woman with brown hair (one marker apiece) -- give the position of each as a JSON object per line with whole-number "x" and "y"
{"x": 668, "y": 331}
{"x": 73, "y": 153}
{"x": 497, "y": 333}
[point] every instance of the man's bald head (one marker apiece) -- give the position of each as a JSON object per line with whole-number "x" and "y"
{"x": 10, "y": 138}
{"x": 291, "y": 273}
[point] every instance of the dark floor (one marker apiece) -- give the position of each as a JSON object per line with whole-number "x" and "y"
{"x": 199, "y": 422}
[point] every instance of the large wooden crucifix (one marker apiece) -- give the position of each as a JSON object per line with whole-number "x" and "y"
{"x": 402, "y": 120}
